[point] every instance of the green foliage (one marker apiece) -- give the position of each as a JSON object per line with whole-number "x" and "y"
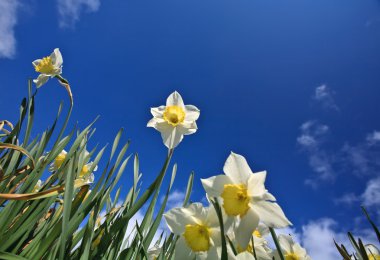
{"x": 69, "y": 217}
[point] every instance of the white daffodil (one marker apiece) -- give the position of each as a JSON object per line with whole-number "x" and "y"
{"x": 38, "y": 186}
{"x": 245, "y": 256}
{"x": 58, "y": 161}
{"x": 243, "y": 195}
{"x": 174, "y": 120}
{"x": 259, "y": 247}
{"x": 290, "y": 249}
{"x": 199, "y": 231}
{"x": 154, "y": 252}
{"x": 373, "y": 252}
{"x": 85, "y": 172}
{"x": 48, "y": 67}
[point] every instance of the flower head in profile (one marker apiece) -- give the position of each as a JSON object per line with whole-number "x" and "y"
{"x": 373, "y": 252}
{"x": 244, "y": 196}
{"x": 174, "y": 120}
{"x": 198, "y": 230}
{"x": 290, "y": 249}
{"x": 58, "y": 161}
{"x": 85, "y": 173}
{"x": 48, "y": 67}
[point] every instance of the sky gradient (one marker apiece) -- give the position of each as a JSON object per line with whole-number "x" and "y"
{"x": 291, "y": 85}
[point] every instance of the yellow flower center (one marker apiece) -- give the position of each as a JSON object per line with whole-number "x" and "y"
{"x": 256, "y": 233}
{"x": 59, "y": 160}
{"x": 84, "y": 171}
{"x": 248, "y": 249}
{"x": 291, "y": 256}
{"x": 373, "y": 257}
{"x": 174, "y": 115}
{"x": 45, "y": 66}
{"x": 235, "y": 199}
{"x": 197, "y": 237}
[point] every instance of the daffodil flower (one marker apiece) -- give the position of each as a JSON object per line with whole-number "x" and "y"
{"x": 259, "y": 246}
{"x": 290, "y": 249}
{"x": 58, "y": 161}
{"x": 174, "y": 120}
{"x": 38, "y": 186}
{"x": 198, "y": 230}
{"x": 373, "y": 252}
{"x": 48, "y": 67}
{"x": 84, "y": 173}
{"x": 244, "y": 196}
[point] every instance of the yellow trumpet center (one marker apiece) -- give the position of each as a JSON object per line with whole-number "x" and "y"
{"x": 249, "y": 249}
{"x": 256, "y": 233}
{"x": 84, "y": 171}
{"x": 45, "y": 66}
{"x": 197, "y": 237}
{"x": 59, "y": 160}
{"x": 235, "y": 199}
{"x": 291, "y": 256}
{"x": 373, "y": 257}
{"x": 174, "y": 115}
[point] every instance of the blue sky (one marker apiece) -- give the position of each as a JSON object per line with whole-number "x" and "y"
{"x": 291, "y": 85}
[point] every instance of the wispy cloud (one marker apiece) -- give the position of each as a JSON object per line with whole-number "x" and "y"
{"x": 324, "y": 96}
{"x": 318, "y": 236}
{"x": 175, "y": 199}
{"x": 373, "y": 138}
{"x": 310, "y": 140}
{"x": 8, "y": 20}
{"x": 70, "y": 10}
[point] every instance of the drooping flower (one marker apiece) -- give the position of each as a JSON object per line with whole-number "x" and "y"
{"x": 244, "y": 197}
{"x": 48, "y": 67}
{"x": 199, "y": 231}
{"x": 290, "y": 249}
{"x": 174, "y": 120}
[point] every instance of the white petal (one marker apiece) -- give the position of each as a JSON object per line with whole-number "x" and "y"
{"x": 192, "y": 113}
{"x": 42, "y": 79}
{"x": 178, "y": 218}
{"x": 170, "y": 135}
{"x": 216, "y": 237}
{"x": 175, "y": 99}
{"x": 245, "y": 256}
{"x": 182, "y": 251}
{"x": 187, "y": 129}
{"x": 271, "y": 214}
{"x": 157, "y": 111}
{"x": 56, "y": 58}
{"x": 246, "y": 227}
{"x": 36, "y": 62}
{"x": 286, "y": 243}
{"x": 298, "y": 250}
{"x": 214, "y": 185}
{"x": 256, "y": 186}
{"x": 236, "y": 167}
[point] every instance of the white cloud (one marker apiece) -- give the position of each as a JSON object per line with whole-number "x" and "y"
{"x": 324, "y": 96}
{"x": 318, "y": 238}
{"x": 310, "y": 140}
{"x": 8, "y": 20}
{"x": 175, "y": 199}
{"x": 360, "y": 159}
{"x": 371, "y": 195}
{"x": 373, "y": 138}
{"x": 70, "y": 10}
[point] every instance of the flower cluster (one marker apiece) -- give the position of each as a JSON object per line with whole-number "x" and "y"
{"x": 248, "y": 211}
